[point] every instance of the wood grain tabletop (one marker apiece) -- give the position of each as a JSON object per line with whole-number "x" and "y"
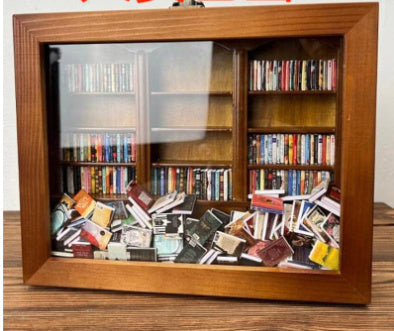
{"x": 68, "y": 309}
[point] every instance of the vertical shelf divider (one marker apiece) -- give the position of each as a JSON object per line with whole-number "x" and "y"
{"x": 143, "y": 120}
{"x": 240, "y": 122}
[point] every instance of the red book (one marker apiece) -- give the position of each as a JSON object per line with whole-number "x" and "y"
{"x": 139, "y": 195}
{"x": 295, "y": 149}
{"x": 283, "y": 80}
{"x": 324, "y": 150}
{"x": 287, "y": 75}
{"x": 267, "y": 204}
{"x": 82, "y": 251}
{"x": 334, "y": 74}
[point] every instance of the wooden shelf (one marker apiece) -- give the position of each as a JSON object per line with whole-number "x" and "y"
{"x": 194, "y": 128}
{"x": 102, "y": 197}
{"x": 97, "y": 164}
{"x": 313, "y": 92}
{"x": 103, "y": 93}
{"x": 294, "y": 129}
{"x": 291, "y": 167}
{"x": 187, "y": 163}
{"x": 196, "y": 93}
{"x": 102, "y": 130}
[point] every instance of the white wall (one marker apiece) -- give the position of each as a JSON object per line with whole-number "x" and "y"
{"x": 384, "y": 165}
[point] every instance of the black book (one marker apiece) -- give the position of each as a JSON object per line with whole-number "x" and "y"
{"x": 222, "y": 216}
{"x": 186, "y": 208}
{"x": 207, "y": 225}
{"x": 142, "y": 254}
{"x": 189, "y": 224}
{"x": 191, "y": 253}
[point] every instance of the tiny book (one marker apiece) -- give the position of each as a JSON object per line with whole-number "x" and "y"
{"x": 191, "y": 253}
{"x": 142, "y": 254}
{"x": 169, "y": 224}
{"x": 325, "y": 255}
{"x": 96, "y": 235}
{"x": 136, "y": 236}
{"x": 163, "y": 201}
{"x": 117, "y": 251}
{"x": 102, "y": 214}
{"x": 180, "y": 198}
{"x": 82, "y": 250}
{"x": 247, "y": 259}
{"x": 187, "y": 207}
{"x": 206, "y": 227}
{"x": 228, "y": 243}
{"x": 84, "y": 204}
{"x": 275, "y": 252}
{"x": 167, "y": 246}
{"x": 189, "y": 224}
{"x": 139, "y": 195}
{"x": 267, "y": 204}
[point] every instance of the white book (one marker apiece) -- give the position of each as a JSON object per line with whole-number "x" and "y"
{"x": 61, "y": 254}
{"x": 209, "y": 193}
{"x": 267, "y": 76}
{"x": 213, "y": 257}
{"x": 282, "y": 149}
{"x": 328, "y": 207}
{"x": 163, "y": 201}
{"x": 318, "y": 191}
{"x": 225, "y": 185}
{"x": 136, "y": 216}
{"x": 296, "y": 197}
{"x": 329, "y": 75}
{"x": 303, "y": 149}
{"x": 270, "y": 192}
{"x": 62, "y": 233}
{"x": 328, "y": 150}
{"x": 180, "y": 198}
{"x": 332, "y": 156}
{"x": 140, "y": 211}
{"x": 331, "y": 202}
{"x": 72, "y": 238}
{"x": 206, "y": 256}
{"x": 114, "y": 180}
{"x": 274, "y": 145}
{"x": 259, "y": 83}
{"x": 320, "y": 149}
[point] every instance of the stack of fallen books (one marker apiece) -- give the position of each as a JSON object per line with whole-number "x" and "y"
{"x": 284, "y": 231}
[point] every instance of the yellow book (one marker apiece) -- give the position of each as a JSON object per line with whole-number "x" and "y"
{"x": 325, "y": 255}
{"x": 290, "y": 149}
{"x": 102, "y": 214}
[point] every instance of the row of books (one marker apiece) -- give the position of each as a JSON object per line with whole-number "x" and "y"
{"x": 293, "y": 75}
{"x": 293, "y": 182}
{"x": 302, "y": 233}
{"x": 97, "y": 179}
{"x": 99, "y": 147}
{"x": 206, "y": 184}
{"x": 297, "y": 149}
{"x": 99, "y": 77}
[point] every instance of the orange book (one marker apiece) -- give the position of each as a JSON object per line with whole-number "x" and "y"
{"x": 84, "y": 203}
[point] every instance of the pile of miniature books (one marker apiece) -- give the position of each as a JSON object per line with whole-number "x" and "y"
{"x": 283, "y": 231}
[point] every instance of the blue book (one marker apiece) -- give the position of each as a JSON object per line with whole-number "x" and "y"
{"x": 162, "y": 180}
{"x": 290, "y": 182}
{"x": 217, "y": 184}
{"x": 125, "y": 156}
{"x": 213, "y": 184}
{"x": 107, "y": 148}
{"x": 307, "y": 148}
{"x": 117, "y": 147}
{"x": 294, "y": 183}
{"x": 270, "y": 148}
{"x": 298, "y": 186}
{"x": 118, "y": 180}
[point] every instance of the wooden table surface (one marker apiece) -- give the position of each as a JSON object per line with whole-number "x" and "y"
{"x": 53, "y": 308}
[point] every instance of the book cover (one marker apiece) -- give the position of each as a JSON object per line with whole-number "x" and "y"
{"x": 139, "y": 195}
{"x": 325, "y": 255}
{"x": 207, "y": 225}
{"x": 96, "y": 235}
{"x": 84, "y": 203}
{"x": 187, "y": 206}
{"x": 192, "y": 252}
{"x": 102, "y": 214}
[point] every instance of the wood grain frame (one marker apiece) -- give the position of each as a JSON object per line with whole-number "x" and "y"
{"x": 356, "y": 22}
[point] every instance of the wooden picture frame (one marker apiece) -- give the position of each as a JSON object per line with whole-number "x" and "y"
{"x": 357, "y": 23}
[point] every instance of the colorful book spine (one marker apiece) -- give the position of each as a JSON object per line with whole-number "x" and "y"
{"x": 293, "y": 149}
{"x": 293, "y": 75}
{"x": 294, "y": 182}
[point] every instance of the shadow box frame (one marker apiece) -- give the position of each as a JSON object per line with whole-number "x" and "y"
{"x": 357, "y": 23}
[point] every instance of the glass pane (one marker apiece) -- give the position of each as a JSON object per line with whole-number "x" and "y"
{"x": 146, "y": 142}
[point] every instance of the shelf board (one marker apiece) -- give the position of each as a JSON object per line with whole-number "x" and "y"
{"x": 102, "y": 197}
{"x": 194, "y": 128}
{"x": 294, "y": 129}
{"x": 197, "y": 93}
{"x": 290, "y": 167}
{"x": 313, "y": 92}
{"x": 187, "y": 163}
{"x": 103, "y": 93}
{"x": 98, "y": 164}
{"x": 102, "y": 130}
